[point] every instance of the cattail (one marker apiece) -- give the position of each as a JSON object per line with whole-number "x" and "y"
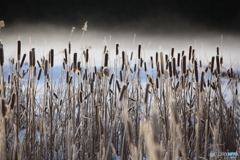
{"x": 131, "y": 56}
{"x": 200, "y": 62}
{"x": 87, "y": 55}
{"x": 172, "y": 52}
{"x": 79, "y": 66}
{"x": 18, "y": 50}
{"x": 105, "y": 49}
{"x": 118, "y": 85}
{"x": 69, "y": 47}
{"x": 122, "y": 92}
{"x": 178, "y": 60}
{"x": 65, "y": 59}
{"x": 55, "y": 95}
{"x": 12, "y": 100}
{"x": 145, "y": 66}
{"x": 123, "y": 57}
{"x": 221, "y": 61}
{"x": 212, "y": 64}
{"x": 39, "y": 65}
{"x": 184, "y": 65}
{"x": 196, "y": 70}
{"x": 174, "y": 66}
{"x": 106, "y": 60}
{"x": 157, "y": 85}
{"x": 117, "y": 50}
{"x": 23, "y": 59}
{"x": 182, "y": 53}
{"x": 1, "y": 54}
{"x": 135, "y": 67}
{"x": 91, "y": 87}
{"x": 35, "y": 71}
{"x": 4, "y": 109}
{"x": 80, "y": 96}
{"x": 39, "y": 74}
{"x": 67, "y": 77}
{"x": 190, "y": 52}
{"x": 46, "y": 68}
{"x": 156, "y": 58}
{"x": 9, "y": 78}
{"x": 74, "y": 62}
{"x": 52, "y": 57}
{"x": 110, "y": 81}
{"x": 139, "y": 51}
{"x": 162, "y": 62}
{"x": 121, "y": 79}
{"x": 151, "y": 58}
{"x": 141, "y": 62}
{"x": 217, "y": 51}
{"x": 87, "y": 74}
{"x": 170, "y": 68}
{"x": 70, "y": 80}
{"x": 202, "y": 82}
{"x": 33, "y": 57}
{"x": 206, "y": 69}
{"x": 166, "y": 57}
{"x": 218, "y": 65}
{"x": 146, "y": 93}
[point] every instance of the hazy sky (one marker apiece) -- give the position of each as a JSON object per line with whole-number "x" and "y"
{"x": 140, "y": 15}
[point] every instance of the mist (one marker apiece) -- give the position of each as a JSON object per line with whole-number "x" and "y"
{"x": 43, "y": 37}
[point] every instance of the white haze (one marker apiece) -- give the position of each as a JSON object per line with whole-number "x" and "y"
{"x": 44, "y": 37}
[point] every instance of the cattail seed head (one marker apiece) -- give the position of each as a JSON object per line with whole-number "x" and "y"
{"x": 75, "y": 62}
{"x": 18, "y": 50}
{"x": 23, "y": 59}
{"x": 106, "y": 60}
{"x": 117, "y": 50}
{"x": 1, "y": 54}
{"x": 184, "y": 66}
{"x": 139, "y": 51}
{"x": 190, "y": 52}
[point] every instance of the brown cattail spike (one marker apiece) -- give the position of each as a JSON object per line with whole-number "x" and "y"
{"x": 151, "y": 58}
{"x": 212, "y": 64}
{"x": 162, "y": 62}
{"x": 87, "y": 55}
{"x": 18, "y": 50}
{"x": 218, "y": 64}
{"x": 170, "y": 68}
{"x": 202, "y": 81}
{"x": 74, "y": 62}
{"x": 190, "y": 52}
{"x": 174, "y": 66}
{"x": 46, "y": 68}
{"x": 146, "y": 93}
{"x": 196, "y": 70}
{"x": 172, "y": 52}
{"x": 106, "y": 60}
{"x": 52, "y": 57}
{"x": 23, "y": 59}
{"x": 184, "y": 65}
{"x": 117, "y": 50}
{"x": 139, "y": 51}
{"x": 1, "y": 54}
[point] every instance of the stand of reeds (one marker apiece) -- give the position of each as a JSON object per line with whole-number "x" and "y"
{"x": 175, "y": 107}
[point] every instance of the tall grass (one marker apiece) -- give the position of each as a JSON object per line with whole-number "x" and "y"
{"x": 109, "y": 112}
